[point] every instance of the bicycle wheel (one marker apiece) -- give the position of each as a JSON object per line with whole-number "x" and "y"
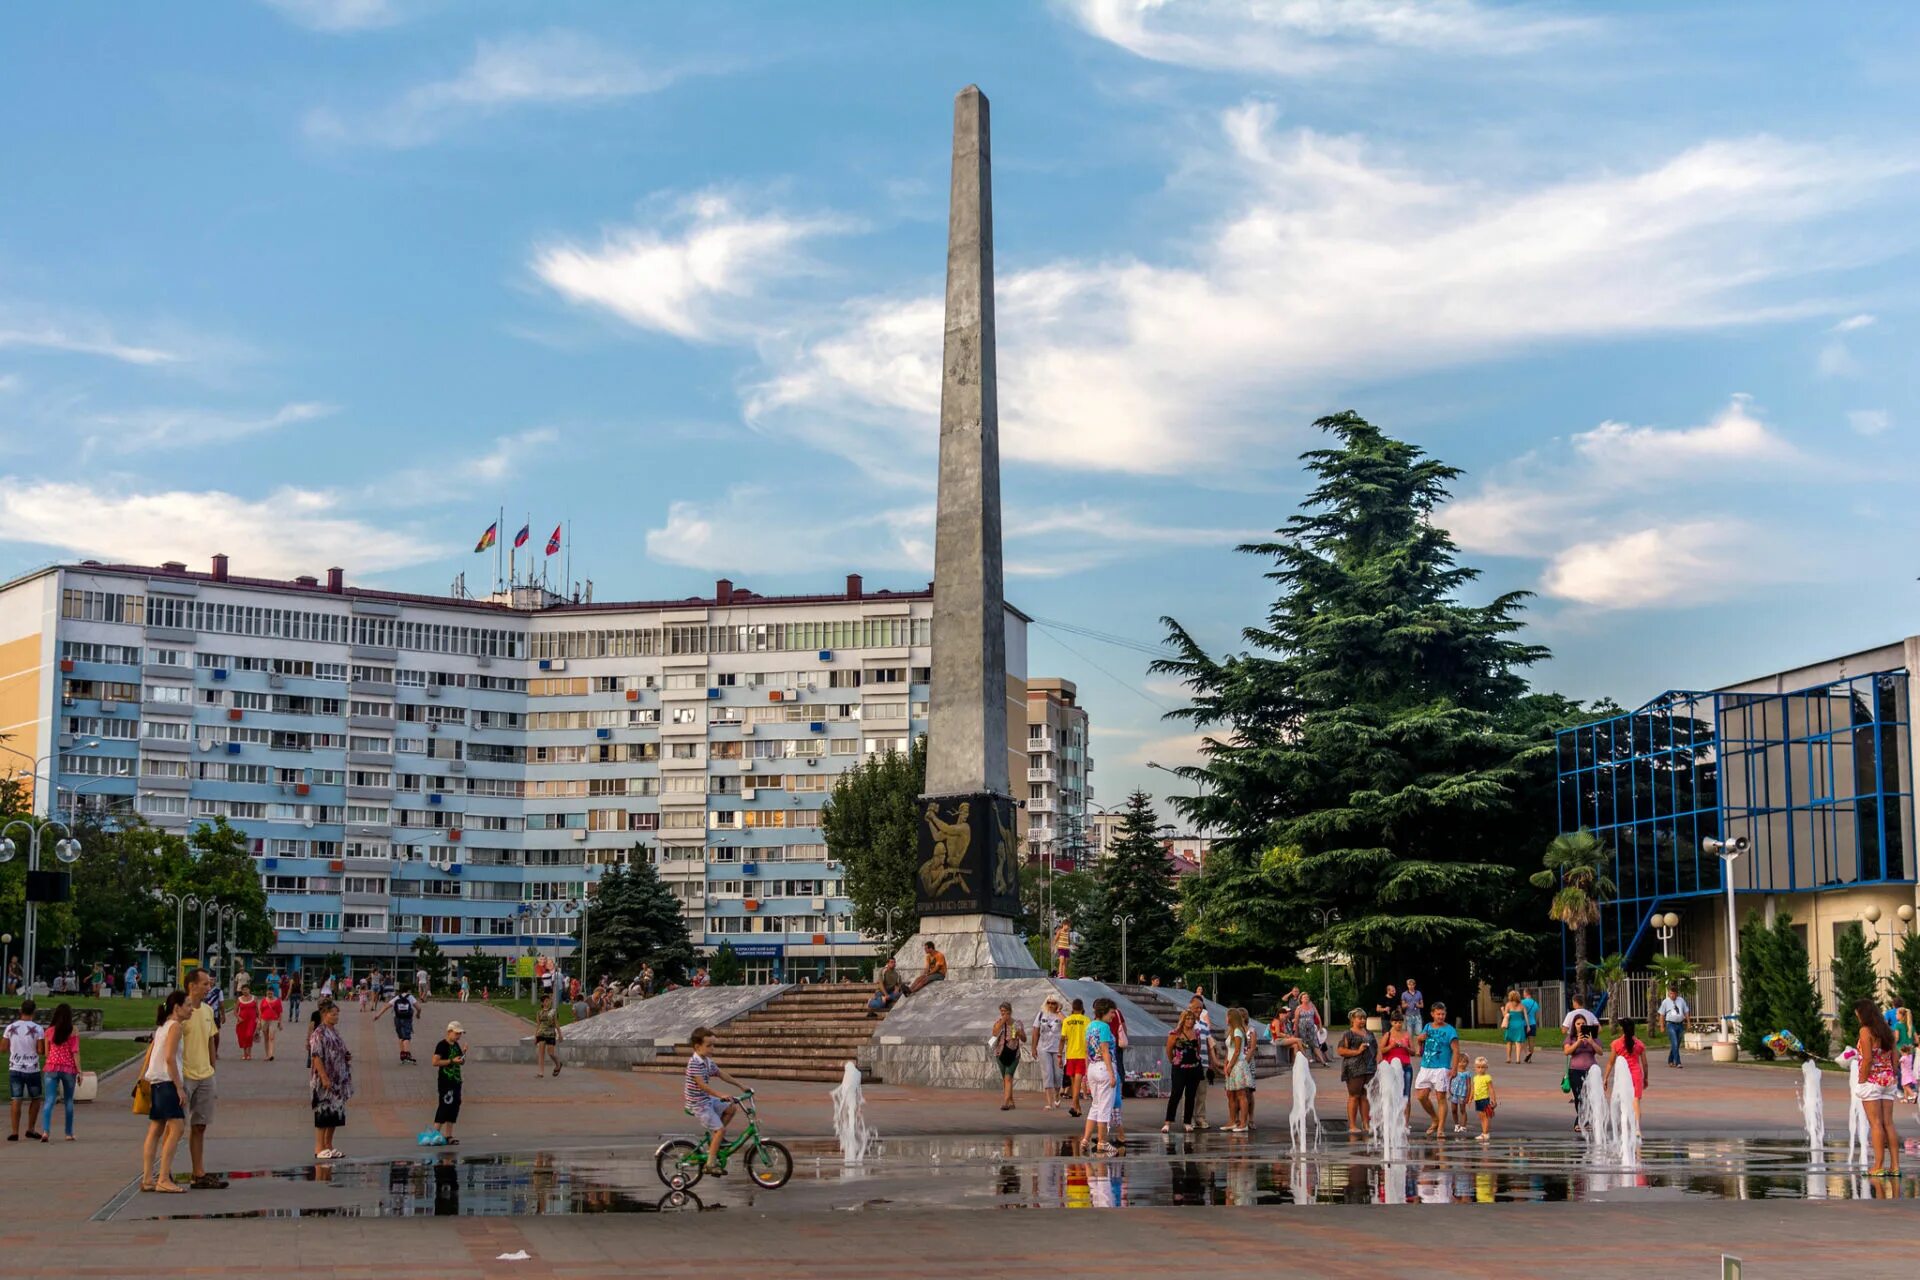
{"x": 769, "y": 1165}
{"x": 679, "y": 1164}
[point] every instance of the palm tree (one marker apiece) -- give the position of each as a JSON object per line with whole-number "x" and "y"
{"x": 1577, "y": 862}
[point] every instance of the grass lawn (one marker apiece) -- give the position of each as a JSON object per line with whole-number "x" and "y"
{"x": 523, "y": 1008}
{"x": 102, "y": 1056}
{"x": 120, "y": 1014}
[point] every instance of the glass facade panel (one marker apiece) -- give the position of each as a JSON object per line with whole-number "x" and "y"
{"x": 1818, "y": 780}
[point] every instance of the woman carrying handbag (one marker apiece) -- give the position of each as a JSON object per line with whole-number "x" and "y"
{"x": 158, "y": 1094}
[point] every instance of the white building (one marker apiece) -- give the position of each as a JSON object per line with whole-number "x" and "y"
{"x": 408, "y": 764}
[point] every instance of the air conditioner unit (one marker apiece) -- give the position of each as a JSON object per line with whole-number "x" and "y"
{"x": 793, "y": 695}
{"x": 746, "y": 793}
{"x": 433, "y": 799}
{"x": 235, "y": 713}
{"x": 301, "y": 788}
{"x": 775, "y": 695}
{"x": 433, "y": 728}
{"x": 826, "y": 655}
{"x": 633, "y": 695}
{"x": 817, "y": 726}
{"x": 276, "y": 681}
{"x": 713, "y": 693}
{"x": 556, "y": 664}
{"x": 818, "y": 904}
{"x": 219, "y": 673}
{"x": 433, "y": 691}
{"x": 453, "y": 835}
{"x": 746, "y": 766}
{"x": 233, "y": 748}
{"x": 746, "y": 726}
{"x": 546, "y": 664}
{"x": 66, "y": 665}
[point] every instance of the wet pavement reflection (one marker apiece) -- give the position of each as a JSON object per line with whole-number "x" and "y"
{"x": 1030, "y": 1173}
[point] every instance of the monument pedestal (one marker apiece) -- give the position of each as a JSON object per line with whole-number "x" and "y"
{"x": 976, "y": 947}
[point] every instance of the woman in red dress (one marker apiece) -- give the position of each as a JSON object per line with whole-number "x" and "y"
{"x": 246, "y": 1017}
{"x": 270, "y": 1010}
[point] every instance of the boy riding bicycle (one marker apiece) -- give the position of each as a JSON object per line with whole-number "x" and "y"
{"x": 706, "y": 1103}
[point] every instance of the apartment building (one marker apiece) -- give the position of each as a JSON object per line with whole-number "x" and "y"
{"x": 1058, "y": 788}
{"x": 408, "y": 764}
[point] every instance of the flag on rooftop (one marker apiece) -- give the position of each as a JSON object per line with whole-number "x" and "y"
{"x": 487, "y": 539}
{"x": 553, "y": 543}
{"x": 520, "y": 538}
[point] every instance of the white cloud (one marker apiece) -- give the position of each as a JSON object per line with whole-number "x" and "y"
{"x": 289, "y": 531}
{"x": 179, "y": 428}
{"x": 1735, "y": 435}
{"x": 1854, "y": 323}
{"x": 1869, "y": 422}
{"x": 1836, "y": 361}
{"x": 550, "y": 69}
{"x": 1600, "y": 515}
{"x": 340, "y": 16}
{"x": 10, "y": 382}
{"x": 1332, "y": 267}
{"x": 504, "y": 458}
{"x": 506, "y": 455}
{"x": 91, "y": 342}
{"x": 1681, "y": 563}
{"x": 730, "y": 536}
{"x": 690, "y": 282}
{"x": 1299, "y": 37}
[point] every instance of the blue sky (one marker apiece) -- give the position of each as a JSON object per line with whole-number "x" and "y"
{"x": 320, "y": 282}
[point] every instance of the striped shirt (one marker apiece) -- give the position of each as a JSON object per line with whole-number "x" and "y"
{"x": 699, "y": 1071}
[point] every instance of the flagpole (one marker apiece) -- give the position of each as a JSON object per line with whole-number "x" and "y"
{"x": 568, "y": 593}
{"x": 496, "y": 548}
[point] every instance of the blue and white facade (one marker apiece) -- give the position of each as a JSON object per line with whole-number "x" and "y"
{"x": 464, "y": 768}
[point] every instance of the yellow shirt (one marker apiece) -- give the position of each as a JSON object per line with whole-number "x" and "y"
{"x": 1482, "y": 1087}
{"x": 1073, "y": 1036}
{"x": 199, "y": 1031}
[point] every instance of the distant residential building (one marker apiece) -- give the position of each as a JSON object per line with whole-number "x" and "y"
{"x": 419, "y": 764}
{"x": 1058, "y": 788}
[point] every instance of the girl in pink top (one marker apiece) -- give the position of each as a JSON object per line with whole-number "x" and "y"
{"x": 63, "y": 1069}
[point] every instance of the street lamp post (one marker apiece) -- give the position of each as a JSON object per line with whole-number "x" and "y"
{"x": 1327, "y": 916}
{"x": 1664, "y": 927}
{"x": 223, "y": 933}
{"x": 6, "y": 941}
{"x": 181, "y": 904}
{"x": 66, "y": 849}
{"x": 1727, "y": 851}
{"x": 1123, "y": 922}
{"x": 206, "y": 905}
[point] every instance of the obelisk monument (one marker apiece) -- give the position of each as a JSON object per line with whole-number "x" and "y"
{"x": 968, "y": 879}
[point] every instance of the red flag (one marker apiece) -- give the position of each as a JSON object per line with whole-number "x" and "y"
{"x": 553, "y": 543}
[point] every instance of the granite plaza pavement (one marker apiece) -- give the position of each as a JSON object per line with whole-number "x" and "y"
{"x": 70, "y": 1209}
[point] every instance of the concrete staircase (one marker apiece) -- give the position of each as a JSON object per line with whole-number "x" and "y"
{"x": 804, "y": 1033}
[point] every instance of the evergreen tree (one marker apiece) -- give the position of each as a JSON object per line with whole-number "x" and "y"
{"x": 725, "y": 968}
{"x": 1906, "y": 972}
{"x": 1854, "y": 978}
{"x": 1758, "y": 1017}
{"x": 1375, "y": 750}
{"x": 1792, "y": 997}
{"x": 428, "y": 956}
{"x": 635, "y": 920}
{"x": 871, "y": 822}
{"x": 1135, "y": 880}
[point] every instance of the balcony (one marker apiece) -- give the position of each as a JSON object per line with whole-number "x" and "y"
{"x": 382, "y": 723}
{"x": 371, "y": 688}
{"x": 371, "y": 757}
{"x": 1040, "y": 775}
{"x": 1045, "y": 835}
{"x": 1045, "y": 804}
{"x": 369, "y": 793}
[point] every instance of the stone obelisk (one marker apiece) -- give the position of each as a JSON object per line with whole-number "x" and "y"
{"x": 968, "y": 878}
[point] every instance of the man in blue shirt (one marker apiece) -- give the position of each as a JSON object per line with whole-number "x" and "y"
{"x": 1413, "y": 1011}
{"x": 1532, "y": 1009}
{"x": 1436, "y": 1068}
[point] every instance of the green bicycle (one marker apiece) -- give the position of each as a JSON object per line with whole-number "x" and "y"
{"x": 681, "y": 1163}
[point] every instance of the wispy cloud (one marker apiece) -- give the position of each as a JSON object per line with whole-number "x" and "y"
{"x": 338, "y": 17}
{"x": 1854, "y": 323}
{"x": 1333, "y": 266}
{"x": 180, "y": 428}
{"x": 84, "y": 342}
{"x": 729, "y": 535}
{"x": 1869, "y": 422}
{"x": 1305, "y": 37}
{"x": 504, "y": 457}
{"x": 691, "y": 277}
{"x": 1599, "y": 515}
{"x": 288, "y": 531}
{"x": 553, "y": 68}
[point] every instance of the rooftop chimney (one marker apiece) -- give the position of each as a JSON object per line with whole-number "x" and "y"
{"x": 336, "y": 581}
{"x": 853, "y": 586}
{"x": 723, "y": 591}
{"x": 174, "y": 566}
{"x": 307, "y": 580}
{"x": 219, "y": 568}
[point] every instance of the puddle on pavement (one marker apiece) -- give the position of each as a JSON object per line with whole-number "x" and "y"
{"x": 1034, "y": 1173}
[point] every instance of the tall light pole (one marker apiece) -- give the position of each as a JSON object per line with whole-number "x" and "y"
{"x": 1123, "y": 921}
{"x": 66, "y": 849}
{"x": 1664, "y": 927}
{"x": 6, "y": 941}
{"x": 1327, "y": 916}
{"x": 223, "y": 942}
{"x": 206, "y": 905}
{"x": 1727, "y": 851}
{"x": 181, "y": 904}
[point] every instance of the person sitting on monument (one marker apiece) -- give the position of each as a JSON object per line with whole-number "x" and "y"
{"x": 886, "y": 991}
{"x": 936, "y": 970}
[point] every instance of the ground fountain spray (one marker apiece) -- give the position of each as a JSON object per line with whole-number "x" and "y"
{"x": 857, "y": 1137}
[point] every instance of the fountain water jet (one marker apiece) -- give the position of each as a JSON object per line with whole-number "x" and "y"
{"x": 1596, "y": 1118}
{"x": 1387, "y": 1102}
{"x": 1303, "y": 1122}
{"x": 1813, "y": 1112}
{"x": 1625, "y": 1123}
{"x": 857, "y": 1137}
